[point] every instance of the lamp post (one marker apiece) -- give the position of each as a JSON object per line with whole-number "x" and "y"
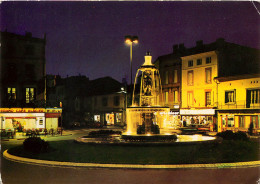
{"x": 130, "y": 40}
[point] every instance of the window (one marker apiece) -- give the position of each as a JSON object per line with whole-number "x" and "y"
{"x": 190, "y": 63}
{"x": 208, "y": 60}
{"x": 166, "y": 77}
{"x": 254, "y": 96}
{"x": 190, "y": 98}
{"x": 166, "y": 97}
{"x": 41, "y": 122}
{"x": 230, "y": 120}
{"x": 30, "y": 95}
{"x": 208, "y": 98}
{"x": 242, "y": 121}
{"x": 116, "y": 100}
{"x": 11, "y": 94}
{"x": 175, "y": 97}
{"x": 199, "y": 61}
{"x": 104, "y": 101}
{"x": 175, "y": 76}
{"x": 254, "y": 120}
{"x": 208, "y": 75}
{"x": 230, "y": 96}
{"x": 190, "y": 78}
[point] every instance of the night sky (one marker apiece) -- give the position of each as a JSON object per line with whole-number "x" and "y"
{"x": 87, "y": 38}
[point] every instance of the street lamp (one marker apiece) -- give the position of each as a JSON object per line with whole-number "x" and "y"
{"x": 130, "y": 40}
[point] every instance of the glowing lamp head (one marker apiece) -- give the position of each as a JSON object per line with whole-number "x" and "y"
{"x": 131, "y": 39}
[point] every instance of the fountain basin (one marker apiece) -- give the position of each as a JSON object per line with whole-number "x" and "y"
{"x": 161, "y": 139}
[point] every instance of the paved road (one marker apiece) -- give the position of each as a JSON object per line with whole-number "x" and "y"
{"x": 12, "y": 172}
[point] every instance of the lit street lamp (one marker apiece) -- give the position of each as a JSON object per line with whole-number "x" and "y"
{"x": 130, "y": 40}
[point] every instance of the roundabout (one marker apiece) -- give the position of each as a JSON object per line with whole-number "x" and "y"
{"x": 130, "y": 166}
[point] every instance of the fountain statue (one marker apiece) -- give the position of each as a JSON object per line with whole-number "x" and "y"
{"x": 147, "y": 115}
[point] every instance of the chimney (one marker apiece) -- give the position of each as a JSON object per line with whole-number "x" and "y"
{"x": 175, "y": 48}
{"x": 199, "y": 43}
{"x": 182, "y": 48}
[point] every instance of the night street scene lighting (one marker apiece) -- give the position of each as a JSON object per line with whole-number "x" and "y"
{"x": 130, "y": 40}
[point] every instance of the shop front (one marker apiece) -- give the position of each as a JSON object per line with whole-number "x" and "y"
{"x": 113, "y": 118}
{"x": 173, "y": 120}
{"x": 23, "y": 119}
{"x": 205, "y": 117}
{"x": 239, "y": 120}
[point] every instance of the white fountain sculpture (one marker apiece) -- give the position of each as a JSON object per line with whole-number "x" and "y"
{"x": 147, "y": 115}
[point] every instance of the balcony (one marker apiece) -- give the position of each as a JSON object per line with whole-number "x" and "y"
{"x": 242, "y": 104}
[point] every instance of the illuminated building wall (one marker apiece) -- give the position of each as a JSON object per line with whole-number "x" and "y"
{"x": 170, "y": 71}
{"x": 198, "y": 87}
{"x": 238, "y": 102}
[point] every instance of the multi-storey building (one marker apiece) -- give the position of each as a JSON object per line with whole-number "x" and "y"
{"x": 22, "y": 84}
{"x": 198, "y": 70}
{"x": 198, "y": 87}
{"x": 106, "y": 102}
{"x": 201, "y": 66}
{"x": 238, "y": 102}
{"x": 22, "y": 70}
{"x": 170, "y": 72}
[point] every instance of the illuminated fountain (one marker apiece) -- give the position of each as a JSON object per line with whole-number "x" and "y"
{"x": 147, "y": 119}
{"x": 146, "y": 116}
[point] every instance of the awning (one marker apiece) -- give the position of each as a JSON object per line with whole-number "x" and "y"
{"x": 197, "y": 112}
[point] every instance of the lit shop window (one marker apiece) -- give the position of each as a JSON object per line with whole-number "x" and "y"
{"x": 242, "y": 121}
{"x": 230, "y": 120}
{"x": 41, "y": 122}
{"x": 30, "y": 96}
{"x": 230, "y": 96}
{"x": 11, "y": 94}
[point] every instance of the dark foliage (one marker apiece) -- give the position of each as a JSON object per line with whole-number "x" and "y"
{"x": 35, "y": 145}
{"x": 229, "y": 135}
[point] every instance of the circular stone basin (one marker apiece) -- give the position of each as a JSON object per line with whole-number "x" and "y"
{"x": 162, "y": 139}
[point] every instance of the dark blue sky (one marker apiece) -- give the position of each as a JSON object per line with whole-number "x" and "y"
{"x": 88, "y": 37}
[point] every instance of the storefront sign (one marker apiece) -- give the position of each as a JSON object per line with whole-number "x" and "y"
{"x": 29, "y": 110}
{"x": 170, "y": 113}
{"x": 197, "y": 112}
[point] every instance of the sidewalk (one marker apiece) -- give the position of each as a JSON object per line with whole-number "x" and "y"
{"x": 23, "y": 137}
{"x": 130, "y": 166}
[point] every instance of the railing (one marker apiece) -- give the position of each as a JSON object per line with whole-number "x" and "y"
{"x": 242, "y": 104}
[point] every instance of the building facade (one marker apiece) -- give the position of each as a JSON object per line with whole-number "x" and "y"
{"x": 22, "y": 70}
{"x": 239, "y": 102}
{"x": 23, "y": 85}
{"x": 203, "y": 68}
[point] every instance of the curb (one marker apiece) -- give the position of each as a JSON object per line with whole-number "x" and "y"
{"x": 130, "y": 166}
